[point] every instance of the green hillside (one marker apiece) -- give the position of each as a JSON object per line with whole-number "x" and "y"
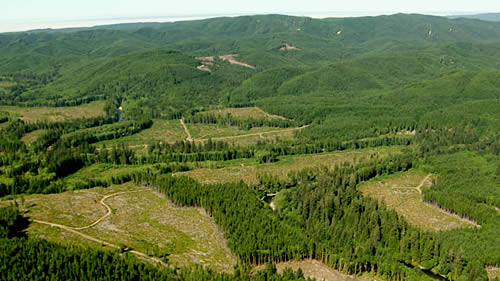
{"x": 269, "y": 126}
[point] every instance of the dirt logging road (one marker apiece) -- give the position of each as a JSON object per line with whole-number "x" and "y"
{"x": 105, "y": 206}
{"x": 74, "y": 230}
{"x": 419, "y": 187}
{"x": 189, "y": 138}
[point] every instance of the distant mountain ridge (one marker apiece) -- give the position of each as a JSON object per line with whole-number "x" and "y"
{"x": 157, "y": 63}
{"x": 486, "y": 17}
{"x": 199, "y": 34}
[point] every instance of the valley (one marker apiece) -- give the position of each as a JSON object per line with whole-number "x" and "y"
{"x": 264, "y": 147}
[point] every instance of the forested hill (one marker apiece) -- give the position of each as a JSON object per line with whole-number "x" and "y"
{"x": 414, "y": 28}
{"x": 348, "y": 61}
{"x": 376, "y": 141}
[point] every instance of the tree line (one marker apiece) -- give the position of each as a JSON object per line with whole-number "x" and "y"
{"x": 325, "y": 218}
{"x": 24, "y": 258}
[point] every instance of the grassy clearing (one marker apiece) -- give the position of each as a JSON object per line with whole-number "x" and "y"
{"x": 62, "y": 236}
{"x": 141, "y": 219}
{"x": 400, "y": 192}
{"x": 74, "y": 209}
{"x": 493, "y": 272}
{"x": 167, "y": 131}
{"x": 206, "y": 131}
{"x": 313, "y": 269}
{"x": 253, "y": 138}
{"x": 30, "y": 137}
{"x": 54, "y": 114}
{"x": 245, "y": 112}
{"x": 6, "y": 84}
{"x": 248, "y": 171}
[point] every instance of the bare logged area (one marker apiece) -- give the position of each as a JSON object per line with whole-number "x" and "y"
{"x": 493, "y": 272}
{"x": 288, "y": 47}
{"x": 262, "y": 133}
{"x": 253, "y": 138}
{"x": 143, "y": 221}
{"x": 206, "y": 63}
{"x": 135, "y": 218}
{"x": 313, "y": 269}
{"x": 165, "y": 131}
{"x": 249, "y": 171}
{"x": 31, "y": 137}
{"x": 55, "y": 114}
{"x": 74, "y": 209}
{"x": 220, "y": 132}
{"x": 232, "y": 60}
{"x": 402, "y": 192}
{"x": 246, "y": 112}
{"x": 204, "y": 67}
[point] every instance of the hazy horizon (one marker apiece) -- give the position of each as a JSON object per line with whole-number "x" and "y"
{"x": 22, "y": 15}
{"x": 36, "y": 24}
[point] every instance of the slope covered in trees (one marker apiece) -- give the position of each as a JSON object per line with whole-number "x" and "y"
{"x": 426, "y": 84}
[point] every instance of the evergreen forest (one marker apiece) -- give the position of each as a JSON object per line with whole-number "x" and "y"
{"x": 270, "y": 124}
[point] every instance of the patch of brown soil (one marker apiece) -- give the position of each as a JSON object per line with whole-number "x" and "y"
{"x": 231, "y": 58}
{"x": 205, "y": 63}
{"x": 205, "y": 59}
{"x": 407, "y": 132}
{"x": 203, "y": 68}
{"x": 288, "y": 47}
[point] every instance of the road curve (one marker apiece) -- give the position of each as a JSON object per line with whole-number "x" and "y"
{"x": 74, "y": 230}
{"x": 107, "y": 207}
{"x": 419, "y": 187}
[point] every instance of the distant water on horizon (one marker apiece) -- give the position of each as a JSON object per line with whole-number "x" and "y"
{"x": 34, "y": 24}
{"x": 17, "y": 26}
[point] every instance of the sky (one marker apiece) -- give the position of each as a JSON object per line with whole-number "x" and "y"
{"x": 17, "y": 15}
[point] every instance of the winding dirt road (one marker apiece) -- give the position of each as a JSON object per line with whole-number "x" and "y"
{"x": 189, "y": 138}
{"x": 74, "y": 230}
{"x": 106, "y": 206}
{"x": 70, "y": 229}
{"x": 419, "y": 187}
